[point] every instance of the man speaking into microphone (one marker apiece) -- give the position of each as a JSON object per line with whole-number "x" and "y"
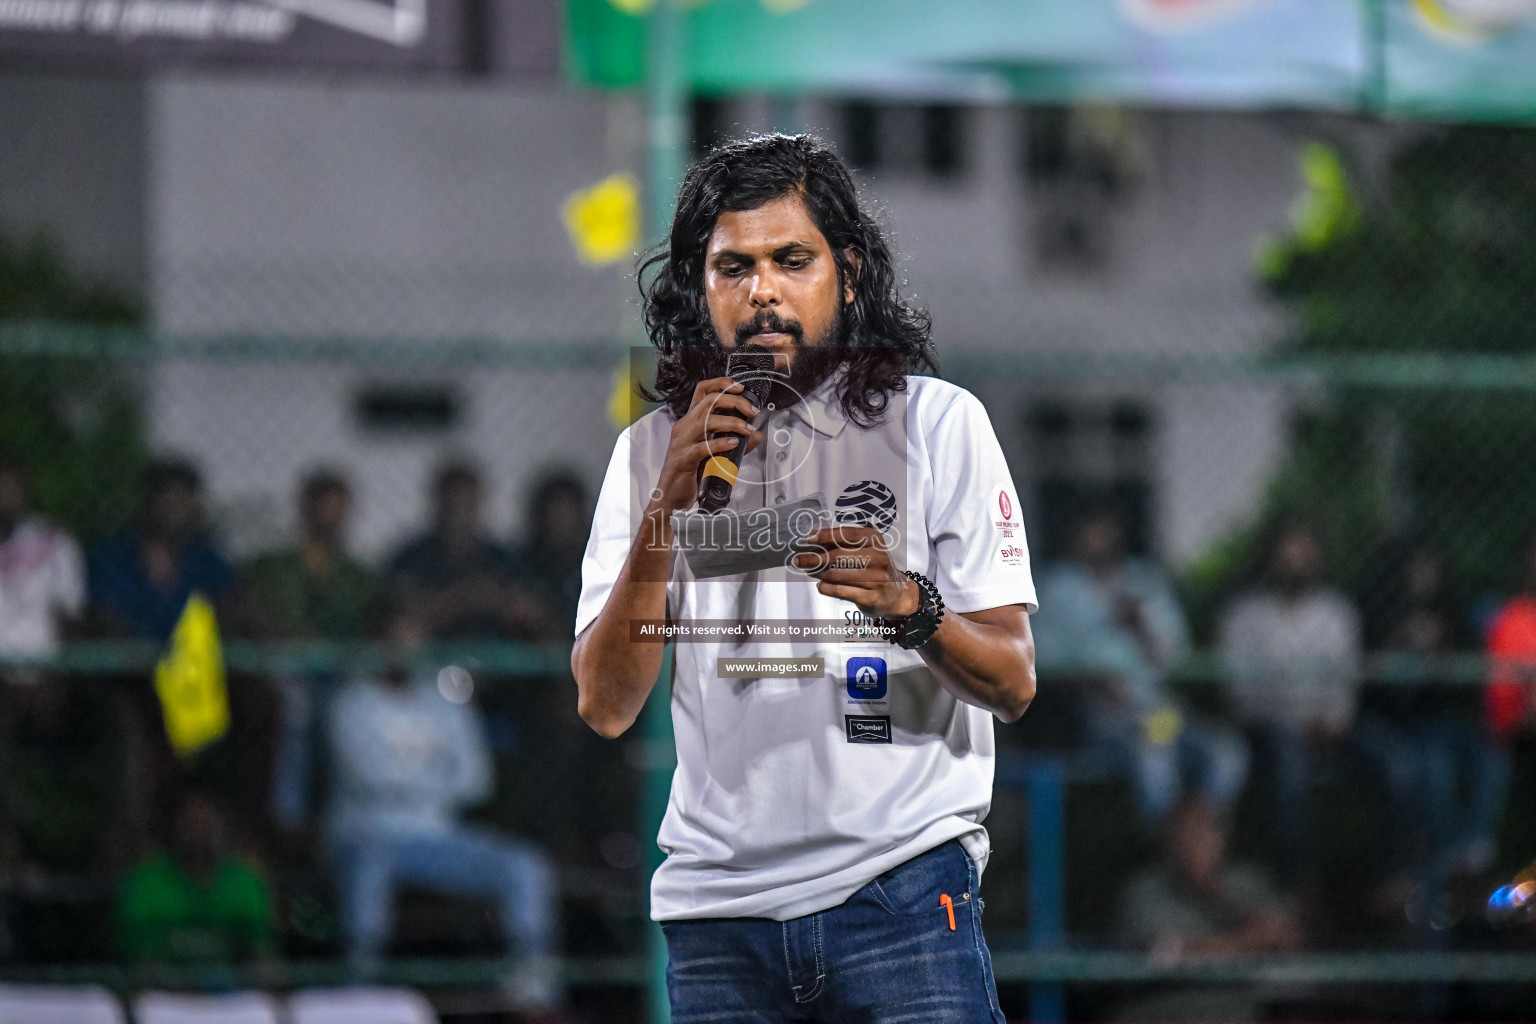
{"x": 824, "y": 834}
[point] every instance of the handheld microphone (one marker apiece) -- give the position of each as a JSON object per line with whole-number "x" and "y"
{"x": 755, "y": 373}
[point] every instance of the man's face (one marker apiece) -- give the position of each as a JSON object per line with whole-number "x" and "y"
{"x": 770, "y": 280}
{"x": 458, "y": 508}
{"x": 1196, "y": 846}
{"x": 199, "y": 836}
{"x": 174, "y": 511}
{"x": 1297, "y": 559}
{"x": 405, "y": 637}
{"x": 1423, "y": 575}
{"x": 563, "y": 520}
{"x": 13, "y": 496}
{"x": 1098, "y": 542}
{"x": 325, "y": 513}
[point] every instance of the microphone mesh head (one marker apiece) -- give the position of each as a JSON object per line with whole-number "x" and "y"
{"x": 755, "y": 372}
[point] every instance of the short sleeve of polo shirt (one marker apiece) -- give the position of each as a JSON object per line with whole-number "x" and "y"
{"x": 609, "y": 543}
{"x": 981, "y": 557}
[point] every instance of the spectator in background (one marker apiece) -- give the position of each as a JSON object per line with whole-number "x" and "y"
{"x": 1510, "y": 705}
{"x": 197, "y": 904}
{"x": 577, "y": 811}
{"x": 455, "y": 582}
{"x": 1114, "y": 619}
{"x": 312, "y": 591}
{"x": 1292, "y": 648}
{"x": 548, "y": 562}
{"x": 42, "y": 576}
{"x": 139, "y": 583}
{"x": 409, "y": 753}
{"x": 1412, "y": 617}
{"x": 1196, "y": 904}
{"x": 56, "y": 801}
{"x": 315, "y": 590}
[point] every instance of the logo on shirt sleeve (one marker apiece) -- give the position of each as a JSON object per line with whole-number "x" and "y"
{"x": 1010, "y": 551}
{"x": 866, "y": 678}
{"x": 868, "y": 728}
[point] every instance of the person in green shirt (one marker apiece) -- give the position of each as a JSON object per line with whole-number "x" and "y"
{"x": 314, "y": 591}
{"x": 196, "y": 904}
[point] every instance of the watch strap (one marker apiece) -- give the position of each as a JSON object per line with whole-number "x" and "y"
{"x": 915, "y": 630}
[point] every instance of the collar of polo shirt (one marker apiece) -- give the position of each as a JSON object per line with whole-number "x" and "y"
{"x": 820, "y": 410}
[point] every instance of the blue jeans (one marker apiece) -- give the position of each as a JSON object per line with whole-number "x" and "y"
{"x": 885, "y": 955}
{"x": 1467, "y": 776}
{"x": 371, "y": 867}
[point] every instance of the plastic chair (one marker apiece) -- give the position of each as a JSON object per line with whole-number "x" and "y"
{"x": 183, "y": 1008}
{"x": 360, "y": 1006}
{"x": 59, "y": 1004}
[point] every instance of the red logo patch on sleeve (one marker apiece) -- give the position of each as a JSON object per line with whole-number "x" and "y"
{"x": 1013, "y": 553}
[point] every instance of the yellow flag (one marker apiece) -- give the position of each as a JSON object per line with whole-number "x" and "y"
{"x": 1164, "y": 725}
{"x": 604, "y": 220}
{"x": 190, "y": 681}
{"x": 625, "y": 404}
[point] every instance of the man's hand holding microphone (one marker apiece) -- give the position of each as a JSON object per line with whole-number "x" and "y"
{"x": 718, "y": 420}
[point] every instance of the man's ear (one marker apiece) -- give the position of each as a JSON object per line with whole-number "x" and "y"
{"x": 856, "y": 262}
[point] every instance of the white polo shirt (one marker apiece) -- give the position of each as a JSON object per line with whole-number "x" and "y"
{"x": 791, "y": 794}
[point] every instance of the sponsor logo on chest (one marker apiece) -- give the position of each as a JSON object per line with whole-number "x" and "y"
{"x": 866, "y": 678}
{"x": 868, "y": 728}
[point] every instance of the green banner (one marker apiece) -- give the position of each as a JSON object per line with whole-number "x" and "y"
{"x": 1453, "y": 58}
{"x": 1461, "y": 59}
{"x": 604, "y": 43}
{"x": 1227, "y": 51}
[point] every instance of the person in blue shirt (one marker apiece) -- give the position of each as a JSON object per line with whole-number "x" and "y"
{"x": 1112, "y": 619}
{"x": 139, "y": 582}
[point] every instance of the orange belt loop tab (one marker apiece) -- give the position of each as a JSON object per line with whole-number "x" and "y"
{"x": 949, "y": 905}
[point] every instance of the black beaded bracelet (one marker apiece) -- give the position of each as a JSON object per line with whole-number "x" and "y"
{"x": 912, "y": 631}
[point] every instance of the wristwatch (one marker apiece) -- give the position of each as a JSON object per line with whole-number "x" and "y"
{"x": 912, "y": 631}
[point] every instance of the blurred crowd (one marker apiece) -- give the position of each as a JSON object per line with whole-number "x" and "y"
{"x": 1425, "y": 755}
{"x": 345, "y": 789}
{"x": 358, "y": 784}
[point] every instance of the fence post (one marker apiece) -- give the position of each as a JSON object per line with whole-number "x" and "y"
{"x": 1046, "y": 783}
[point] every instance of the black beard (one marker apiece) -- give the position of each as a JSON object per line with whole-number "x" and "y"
{"x": 811, "y": 366}
{"x": 814, "y": 361}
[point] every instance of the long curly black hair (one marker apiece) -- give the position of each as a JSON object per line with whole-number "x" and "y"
{"x": 885, "y": 338}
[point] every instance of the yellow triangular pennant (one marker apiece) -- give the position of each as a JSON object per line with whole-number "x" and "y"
{"x": 604, "y": 220}
{"x": 625, "y": 405}
{"x": 190, "y": 681}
